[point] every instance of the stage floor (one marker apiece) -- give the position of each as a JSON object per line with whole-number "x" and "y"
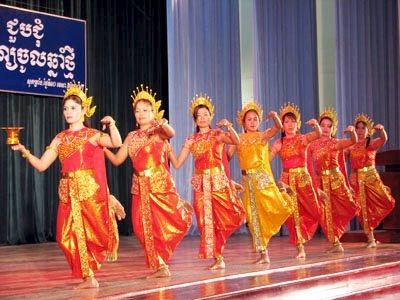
{"x": 40, "y": 271}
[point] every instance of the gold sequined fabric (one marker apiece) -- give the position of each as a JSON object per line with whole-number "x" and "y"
{"x": 79, "y": 185}
{"x": 160, "y": 218}
{"x": 266, "y": 209}
{"x": 339, "y": 207}
{"x": 303, "y": 223}
{"x": 219, "y": 211}
{"x": 83, "y": 222}
{"x": 373, "y": 196}
{"x": 71, "y": 141}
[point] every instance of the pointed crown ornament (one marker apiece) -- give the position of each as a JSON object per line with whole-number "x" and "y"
{"x": 146, "y": 94}
{"x": 251, "y": 105}
{"x": 290, "y": 108}
{"x": 79, "y": 90}
{"x": 367, "y": 121}
{"x": 330, "y": 113}
{"x": 203, "y": 99}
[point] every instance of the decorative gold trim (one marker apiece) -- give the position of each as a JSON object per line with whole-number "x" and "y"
{"x": 203, "y": 99}
{"x": 330, "y": 113}
{"x": 79, "y": 90}
{"x": 367, "y": 121}
{"x": 290, "y": 108}
{"x": 249, "y": 106}
{"x": 146, "y": 94}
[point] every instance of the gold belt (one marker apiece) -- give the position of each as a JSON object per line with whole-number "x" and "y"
{"x": 295, "y": 170}
{"x": 330, "y": 171}
{"x": 77, "y": 173}
{"x": 149, "y": 172}
{"x": 215, "y": 170}
{"x": 364, "y": 169}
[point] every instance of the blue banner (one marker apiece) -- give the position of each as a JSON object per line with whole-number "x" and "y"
{"x": 40, "y": 53}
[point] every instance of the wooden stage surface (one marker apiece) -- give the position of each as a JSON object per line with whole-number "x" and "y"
{"x": 40, "y": 271}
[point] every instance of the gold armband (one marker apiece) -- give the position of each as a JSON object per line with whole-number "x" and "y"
{"x": 228, "y": 126}
{"x": 52, "y": 149}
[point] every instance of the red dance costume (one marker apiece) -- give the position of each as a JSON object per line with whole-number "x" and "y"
{"x": 84, "y": 230}
{"x": 303, "y": 223}
{"x": 160, "y": 218}
{"x": 373, "y": 196}
{"x": 219, "y": 211}
{"x": 339, "y": 207}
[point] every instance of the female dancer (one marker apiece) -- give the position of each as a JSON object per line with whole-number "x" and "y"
{"x": 266, "y": 209}
{"x": 326, "y": 155}
{"x": 160, "y": 218}
{"x": 84, "y": 230}
{"x": 218, "y": 210}
{"x": 374, "y": 197}
{"x": 292, "y": 149}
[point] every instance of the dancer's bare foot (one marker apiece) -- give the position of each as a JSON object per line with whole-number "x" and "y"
{"x": 264, "y": 258}
{"x": 371, "y": 240}
{"x": 88, "y": 283}
{"x": 300, "y": 251}
{"x": 372, "y": 244}
{"x": 336, "y": 248}
{"x": 219, "y": 264}
{"x": 161, "y": 272}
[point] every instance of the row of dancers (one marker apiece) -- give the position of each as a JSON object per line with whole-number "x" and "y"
{"x": 313, "y": 187}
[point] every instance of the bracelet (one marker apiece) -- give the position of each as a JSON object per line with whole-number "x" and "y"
{"x": 26, "y": 154}
{"x": 111, "y": 124}
{"x": 165, "y": 122}
{"x": 228, "y": 126}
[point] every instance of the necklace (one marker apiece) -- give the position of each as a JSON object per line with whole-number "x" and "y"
{"x": 70, "y": 137}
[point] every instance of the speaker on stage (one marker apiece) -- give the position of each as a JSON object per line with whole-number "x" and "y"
{"x": 390, "y": 175}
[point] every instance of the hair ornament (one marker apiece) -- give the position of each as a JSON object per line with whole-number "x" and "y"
{"x": 79, "y": 90}
{"x": 202, "y": 99}
{"x": 330, "y": 113}
{"x": 367, "y": 121}
{"x": 251, "y": 105}
{"x": 146, "y": 94}
{"x": 290, "y": 108}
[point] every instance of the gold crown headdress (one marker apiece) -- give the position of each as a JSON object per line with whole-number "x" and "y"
{"x": 249, "y": 106}
{"x": 290, "y": 108}
{"x": 367, "y": 121}
{"x": 202, "y": 100}
{"x": 330, "y": 113}
{"x": 146, "y": 94}
{"x": 79, "y": 90}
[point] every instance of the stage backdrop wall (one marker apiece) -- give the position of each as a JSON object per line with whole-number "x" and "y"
{"x": 367, "y": 64}
{"x": 126, "y": 46}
